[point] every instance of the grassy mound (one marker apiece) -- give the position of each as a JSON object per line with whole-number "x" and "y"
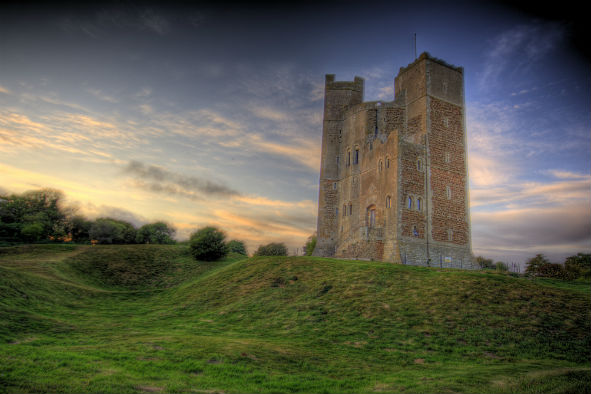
{"x": 126, "y": 266}
{"x": 149, "y": 319}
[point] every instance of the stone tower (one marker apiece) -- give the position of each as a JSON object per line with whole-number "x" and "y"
{"x": 393, "y": 177}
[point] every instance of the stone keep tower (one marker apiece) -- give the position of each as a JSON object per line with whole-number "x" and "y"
{"x": 393, "y": 177}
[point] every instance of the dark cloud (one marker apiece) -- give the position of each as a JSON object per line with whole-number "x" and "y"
{"x": 160, "y": 180}
{"x": 556, "y": 231}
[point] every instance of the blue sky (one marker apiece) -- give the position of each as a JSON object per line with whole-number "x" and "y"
{"x": 200, "y": 114}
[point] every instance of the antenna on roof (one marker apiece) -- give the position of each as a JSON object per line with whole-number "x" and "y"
{"x": 415, "y": 44}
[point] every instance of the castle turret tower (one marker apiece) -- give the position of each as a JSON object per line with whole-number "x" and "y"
{"x": 397, "y": 170}
{"x": 338, "y": 97}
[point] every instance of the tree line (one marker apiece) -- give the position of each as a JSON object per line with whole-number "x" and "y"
{"x": 43, "y": 216}
{"x": 574, "y": 267}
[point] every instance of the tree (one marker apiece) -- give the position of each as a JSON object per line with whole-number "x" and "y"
{"x": 579, "y": 265}
{"x": 310, "y": 245}
{"x": 208, "y": 244}
{"x": 112, "y": 231}
{"x": 155, "y": 233}
{"x": 485, "y": 263}
{"x": 533, "y": 265}
{"x": 272, "y": 249}
{"x": 235, "y": 246}
{"x": 32, "y": 232}
{"x": 40, "y": 209}
{"x": 79, "y": 228}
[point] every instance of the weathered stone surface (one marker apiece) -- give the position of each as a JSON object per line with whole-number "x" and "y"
{"x": 393, "y": 180}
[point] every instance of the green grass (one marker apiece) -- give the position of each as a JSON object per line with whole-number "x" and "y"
{"x": 148, "y": 318}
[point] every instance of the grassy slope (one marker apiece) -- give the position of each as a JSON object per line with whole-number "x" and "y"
{"x": 165, "y": 323}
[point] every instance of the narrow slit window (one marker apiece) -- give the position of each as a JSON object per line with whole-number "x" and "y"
{"x": 419, "y": 204}
{"x": 409, "y": 202}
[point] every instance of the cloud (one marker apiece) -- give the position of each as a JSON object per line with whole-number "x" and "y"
{"x": 518, "y": 49}
{"x": 556, "y": 231}
{"x": 98, "y": 93}
{"x": 4, "y": 90}
{"x": 161, "y": 180}
{"x": 101, "y": 22}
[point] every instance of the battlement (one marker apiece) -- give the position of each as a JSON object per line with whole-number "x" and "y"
{"x": 427, "y": 56}
{"x": 356, "y": 85}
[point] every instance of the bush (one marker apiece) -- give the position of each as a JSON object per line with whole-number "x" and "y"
{"x": 208, "y": 244}
{"x": 235, "y": 246}
{"x": 310, "y": 245}
{"x": 272, "y": 249}
{"x": 557, "y": 271}
{"x": 501, "y": 267}
{"x": 485, "y": 263}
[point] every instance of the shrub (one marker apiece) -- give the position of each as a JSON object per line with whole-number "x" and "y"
{"x": 501, "y": 267}
{"x": 310, "y": 245}
{"x": 235, "y": 246}
{"x": 272, "y": 249}
{"x": 485, "y": 263}
{"x": 208, "y": 244}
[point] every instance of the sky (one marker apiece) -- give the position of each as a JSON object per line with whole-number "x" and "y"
{"x": 202, "y": 114}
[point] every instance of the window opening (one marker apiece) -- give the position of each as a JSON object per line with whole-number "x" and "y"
{"x": 371, "y": 216}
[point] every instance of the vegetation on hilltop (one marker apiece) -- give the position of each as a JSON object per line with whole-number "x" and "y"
{"x": 43, "y": 216}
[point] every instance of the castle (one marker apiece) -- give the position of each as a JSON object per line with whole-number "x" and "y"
{"x": 393, "y": 177}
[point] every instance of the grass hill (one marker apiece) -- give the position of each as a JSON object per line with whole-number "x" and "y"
{"x": 147, "y": 318}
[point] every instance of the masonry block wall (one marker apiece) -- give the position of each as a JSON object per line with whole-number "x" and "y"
{"x": 393, "y": 178}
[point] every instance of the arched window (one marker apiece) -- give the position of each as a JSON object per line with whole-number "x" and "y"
{"x": 344, "y": 209}
{"x": 371, "y": 216}
{"x": 356, "y": 157}
{"x": 387, "y": 162}
{"x": 348, "y": 158}
{"x": 419, "y": 204}
{"x": 350, "y": 209}
{"x": 337, "y": 211}
{"x": 415, "y": 232}
{"x": 409, "y": 202}
{"x": 380, "y": 166}
{"x": 388, "y": 202}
